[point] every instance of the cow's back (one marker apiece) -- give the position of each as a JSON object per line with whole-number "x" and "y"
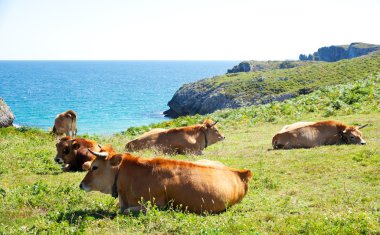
{"x": 168, "y": 141}
{"x": 146, "y": 140}
{"x": 295, "y": 126}
{"x": 195, "y": 186}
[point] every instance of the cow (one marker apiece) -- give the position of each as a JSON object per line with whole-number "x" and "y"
{"x": 188, "y": 186}
{"x": 73, "y": 153}
{"x": 182, "y": 140}
{"x": 65, "y": 123}
{"x": 317, "y": 134}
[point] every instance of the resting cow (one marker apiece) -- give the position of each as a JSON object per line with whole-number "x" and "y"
{"x": 182, "y": 140}
{"x": 65, "y": 123}
{"x": 190, "y": 186}
{"x": 73, "y": 153}
{"x": 308, "y": 135}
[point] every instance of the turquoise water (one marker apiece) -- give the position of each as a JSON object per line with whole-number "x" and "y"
{"x": 108, "y": 96}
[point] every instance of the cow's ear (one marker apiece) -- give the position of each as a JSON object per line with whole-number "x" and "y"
{"x": 75, "y": 145}
{"x": 86, "y": 166}
{"x": 116, "y": 160}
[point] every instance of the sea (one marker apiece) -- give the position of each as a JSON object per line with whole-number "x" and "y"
{"x": 108, "y": 96}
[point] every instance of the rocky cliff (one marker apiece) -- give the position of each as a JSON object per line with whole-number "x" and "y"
{"x": 6, "y": 115}
{"x": 336, "y": 53}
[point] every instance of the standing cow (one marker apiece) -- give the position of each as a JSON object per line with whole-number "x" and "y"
{"x": 73, "y": 153}
{"x": 65, "y": 123}
{"x": 201, "y": 187}
{"x": 308, "y": 135}
{"x": 182, "y": 140}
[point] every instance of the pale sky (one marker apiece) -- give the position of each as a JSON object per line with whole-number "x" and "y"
{"x": 181, "y": 30}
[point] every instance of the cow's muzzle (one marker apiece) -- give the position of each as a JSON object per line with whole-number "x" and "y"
{"x": 84, "y": 187}
{"x": 363, "y": 142}
{"x": 58, "y": 160}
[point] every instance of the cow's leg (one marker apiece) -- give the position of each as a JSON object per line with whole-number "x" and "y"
{"x": 123, "y": 204}
{"x": 134, "y": 209}
{"x": 198, "y": 152}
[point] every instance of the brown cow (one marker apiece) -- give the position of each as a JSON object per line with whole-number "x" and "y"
{"x": 73, "y": 153}
{"x": 317, "y": 134}
{"x": 182, "y": 140}
{"x": 65, "y": 123}
{"x": 189, "y": 186}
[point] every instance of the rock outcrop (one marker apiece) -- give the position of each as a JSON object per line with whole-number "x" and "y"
{"x": 254, "y": 65}
{"x": 336, "y": 53}
{"x": 6, "y": 115}
{"x": 193, "y": 99}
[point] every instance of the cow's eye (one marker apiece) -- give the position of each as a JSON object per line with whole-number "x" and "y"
{"x": 66, "y": 150}
{"x": 352, "y": 137}
{"x": 94, "y": 168}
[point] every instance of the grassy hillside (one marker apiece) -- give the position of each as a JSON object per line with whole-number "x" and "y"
{"x": 330, "y": 189}
{"x": 299, "y": 80}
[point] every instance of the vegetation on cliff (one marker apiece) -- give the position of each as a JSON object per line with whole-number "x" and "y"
{"x": 260, "y": 87}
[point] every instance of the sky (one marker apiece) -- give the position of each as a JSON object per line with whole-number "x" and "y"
{"x": 181, "y": 30}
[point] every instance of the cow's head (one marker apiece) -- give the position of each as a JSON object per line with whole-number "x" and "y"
{"x": 352, "y": 135}
{"x": 213, "y": 134}
{"x": 102, "y": 171}
{"x": 65, "y": 150}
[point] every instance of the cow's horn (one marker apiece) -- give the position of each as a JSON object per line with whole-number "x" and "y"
{"x": 214, "y": 123}
{"x": 360, "y": 127}
{"x": 101, "y": 154}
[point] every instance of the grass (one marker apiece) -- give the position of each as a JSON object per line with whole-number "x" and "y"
{"x": 324, "y": 190}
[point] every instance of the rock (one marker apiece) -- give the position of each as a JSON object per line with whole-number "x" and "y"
{"x": 242, "y": 67}
{"x": 6, "y": 115}
{"x": 336, "y": 53}
{"x": 254, "y": 65}
{"x": 193, "y": 99}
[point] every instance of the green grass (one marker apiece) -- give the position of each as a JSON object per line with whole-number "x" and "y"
{"x": 263, "y": 84}
{"x": 324, "y": 190}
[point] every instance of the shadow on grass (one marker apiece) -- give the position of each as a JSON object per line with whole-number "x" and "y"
{"x": 75, "y": 217}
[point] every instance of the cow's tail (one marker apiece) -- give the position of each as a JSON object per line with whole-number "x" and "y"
{"x": 54, "y": 131}
{"x": 72, "y": 114}
{"x": 73, "y": 117}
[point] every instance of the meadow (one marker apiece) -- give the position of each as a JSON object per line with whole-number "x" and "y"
{"x": 324, "y": 190}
